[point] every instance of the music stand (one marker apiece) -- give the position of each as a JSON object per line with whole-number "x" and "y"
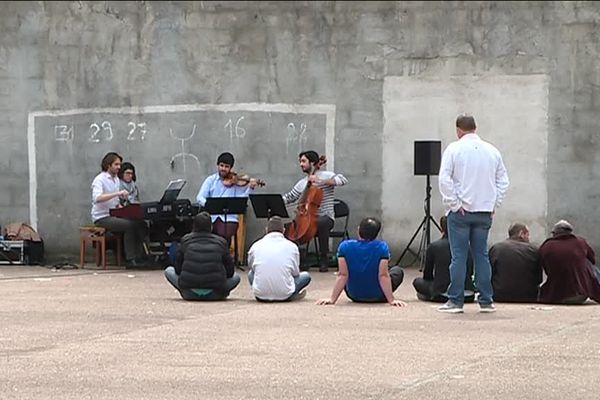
{"x": 224, "y": 206}
{"x": 268, "y": 205}
{"x": 172, "y": 191}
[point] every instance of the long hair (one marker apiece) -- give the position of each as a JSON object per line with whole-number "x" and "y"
{"x": 108, "y": 159}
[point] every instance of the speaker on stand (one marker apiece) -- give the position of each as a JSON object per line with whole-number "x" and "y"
{"x": 427, "y": 160}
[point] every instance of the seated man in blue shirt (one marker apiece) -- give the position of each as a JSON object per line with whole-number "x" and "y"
{"x": 363, "y": 269}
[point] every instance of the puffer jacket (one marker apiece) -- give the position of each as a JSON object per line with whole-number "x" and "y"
{"x": 203, "y": 262}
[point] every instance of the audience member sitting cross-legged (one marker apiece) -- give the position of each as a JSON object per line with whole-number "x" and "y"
{"x": 204, "y": 267}
{"x": 274, "y": 263}
{"x": 436, "y": 273}
{"x": 516, "y": 270}
{"x": 568, "y": 261}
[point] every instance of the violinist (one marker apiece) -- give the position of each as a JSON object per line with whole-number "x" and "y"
{"x": 225, "y": 183}
{"x": 326, "y": 181}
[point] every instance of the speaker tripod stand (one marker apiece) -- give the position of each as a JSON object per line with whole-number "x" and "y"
{"x": 424, "y": 228}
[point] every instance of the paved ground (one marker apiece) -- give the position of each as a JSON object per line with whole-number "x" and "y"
{"x": 127, "y": 335}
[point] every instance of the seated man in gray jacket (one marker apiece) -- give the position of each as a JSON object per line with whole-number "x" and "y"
{"x": 204, "y": 268}
{"x": 516, "y": 269}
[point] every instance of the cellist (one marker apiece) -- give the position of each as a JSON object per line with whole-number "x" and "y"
{"x": 326, "y": 181}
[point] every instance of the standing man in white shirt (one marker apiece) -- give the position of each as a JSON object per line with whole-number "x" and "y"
{"x": 275, "y": 266}
{"x": 472, "y": 182}
{"x": 105, "y": 195}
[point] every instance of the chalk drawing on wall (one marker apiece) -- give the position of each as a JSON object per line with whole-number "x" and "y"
{"x": 94, "y": 131}
{"x": 183, "y": 154}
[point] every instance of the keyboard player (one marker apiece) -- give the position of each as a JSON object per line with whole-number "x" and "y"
{"x": 105, "y": 195}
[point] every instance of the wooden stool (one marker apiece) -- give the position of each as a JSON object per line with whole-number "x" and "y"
{"x": 238, "y": 242}
{"x": 98, "y": 236}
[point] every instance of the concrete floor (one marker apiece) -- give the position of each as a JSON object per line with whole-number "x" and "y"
{"x": 127, "y": 335}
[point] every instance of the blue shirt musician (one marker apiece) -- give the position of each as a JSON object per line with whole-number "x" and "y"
{"x": 221, "y": 184}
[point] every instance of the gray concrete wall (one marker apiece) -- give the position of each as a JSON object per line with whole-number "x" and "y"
{"x": 95, "y": 55}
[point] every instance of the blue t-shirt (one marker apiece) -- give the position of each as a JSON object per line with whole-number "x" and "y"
{"x": 362, "y": 258}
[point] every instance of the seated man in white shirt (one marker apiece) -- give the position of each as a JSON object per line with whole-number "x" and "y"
{"x": 274, "y": 261}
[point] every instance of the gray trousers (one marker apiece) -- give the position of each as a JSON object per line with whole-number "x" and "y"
{"x": 134, "y": 233}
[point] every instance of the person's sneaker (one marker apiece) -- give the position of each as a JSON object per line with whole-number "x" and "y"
{"x": 301, "y": 294}
{"x": 487, "y": 308}
{"x": 323, "y": 268}
{"x": 451, "y": 308}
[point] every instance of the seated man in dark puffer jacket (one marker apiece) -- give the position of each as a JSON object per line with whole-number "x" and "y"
{"x": 204, "y": 268}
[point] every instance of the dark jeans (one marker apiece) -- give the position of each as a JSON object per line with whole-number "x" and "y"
{"x": 201, "y": 294}
{"x": 324, "y": 225}
{"x": 396, "y": 276}
{"x": 225, "y": 230}
{"x": 425, "y": 292}
{"x": 134, "y": 234}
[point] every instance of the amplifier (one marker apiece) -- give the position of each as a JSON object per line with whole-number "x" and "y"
{"x": 13, "y": 252}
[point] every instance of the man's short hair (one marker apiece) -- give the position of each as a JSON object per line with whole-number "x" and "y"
{"x": 275, "y": 224}
{"x": 466, "y": 123}
{"x": 369, "y": 228}
{"x": 109, "y": 159}
{"x": 515, "y": 229}
{"x": 311, "y": 155}
{"x": 202, "y": 222}
{"x": 444, "y": 225}
{"x": 226, "y": 158}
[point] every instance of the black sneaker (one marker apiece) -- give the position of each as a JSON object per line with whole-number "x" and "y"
{"x": 323, "y": 268}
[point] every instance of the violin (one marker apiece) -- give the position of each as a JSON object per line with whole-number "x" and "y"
{"x": 234, "y": 179}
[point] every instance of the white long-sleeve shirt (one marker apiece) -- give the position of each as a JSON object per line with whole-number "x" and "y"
{"x": 472, "y": 175}
{"x": 104, "y": 183}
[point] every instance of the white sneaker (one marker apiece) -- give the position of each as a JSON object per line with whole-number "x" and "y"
{"x": 487, "y": 308}
{"x": 451, "y": 308}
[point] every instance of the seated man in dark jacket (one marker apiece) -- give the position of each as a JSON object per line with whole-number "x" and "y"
{"x": 516, "y": 270}
{"x": 436, "y": 274}
{"x": 568, "y": 261}
{"x": 204, "y": 268}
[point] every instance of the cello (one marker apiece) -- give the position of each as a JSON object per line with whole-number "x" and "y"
{"x": 305, "y": 224}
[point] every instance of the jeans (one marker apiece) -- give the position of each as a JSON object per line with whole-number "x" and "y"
{"x": 464, "y": 231}
{"x": 134, "y": 233}
{"x": 596, "y": 271}
{"x": 201, "y": 294}
{"x": 396, "y": 277}
{"x": 324, "y": 226}
{"x": 301, "y": 281}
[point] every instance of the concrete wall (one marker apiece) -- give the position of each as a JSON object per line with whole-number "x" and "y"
{"x": 90, "y": 56}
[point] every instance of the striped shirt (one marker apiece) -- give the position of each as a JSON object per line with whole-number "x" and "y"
{"x": 328, "y": 192}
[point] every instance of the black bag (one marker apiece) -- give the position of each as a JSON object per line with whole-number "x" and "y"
{"x": 35, "y": 252}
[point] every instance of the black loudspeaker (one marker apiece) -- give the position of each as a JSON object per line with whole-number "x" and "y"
{"x": 428, "y": 156}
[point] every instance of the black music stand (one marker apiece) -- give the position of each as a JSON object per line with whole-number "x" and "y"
{"x": 268, "y": 205}
{"x": 227, "y": 205}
